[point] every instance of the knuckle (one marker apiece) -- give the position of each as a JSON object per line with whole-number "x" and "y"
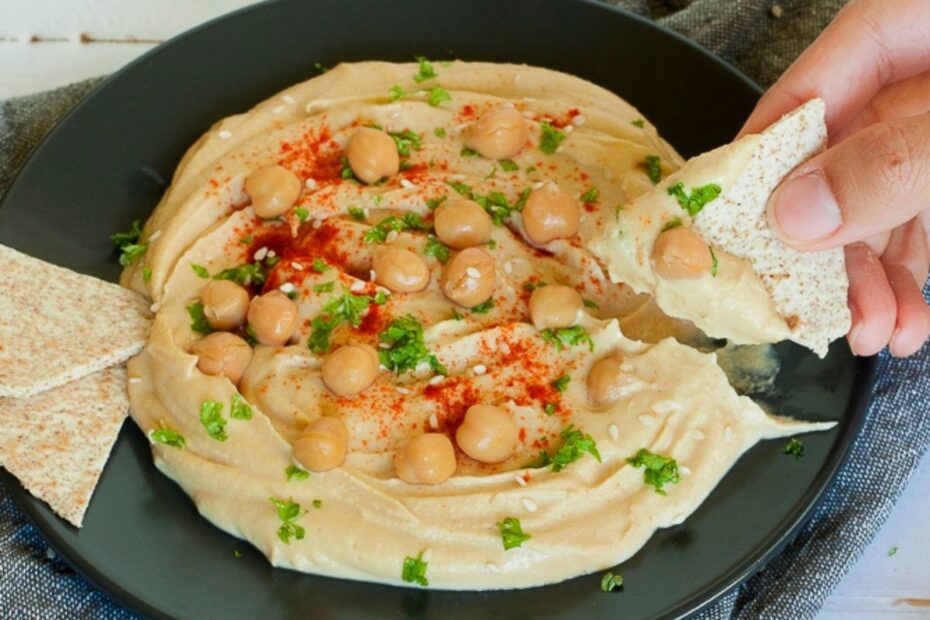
{"x": 894, "y": 157}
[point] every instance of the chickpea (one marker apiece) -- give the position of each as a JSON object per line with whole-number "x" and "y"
{"x": 461, "y": 224}
{"x": 372, "y": 155}
{"x": 606, "y": 381}
{"x": 488, "y": 434}
{"x": 400, "y": 270}
{"x": 550, "y": 214}
{"x": 222, "y": 353}
{"x": 322, "y": 446}
{"x": 350, "y": 369}
{"x": 273, "y": 190}
{"x": 273, "y": 318}
{"x": 225, "y": 304}
{"x": 680, "y": 253}
{"x": 469, "y": 278}
{"x": 554, "y": 306}
{"x": 427, "y": 459}
{"x": 498, "y": 134}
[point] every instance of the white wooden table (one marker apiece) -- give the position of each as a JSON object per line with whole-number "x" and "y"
{"x": 49, "y": 43}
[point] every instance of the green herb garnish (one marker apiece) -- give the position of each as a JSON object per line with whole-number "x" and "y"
{"x": 292, "y": 472}
{"x": 288, "y": 512}
{"x": 317, "y": 503}
{"x": 567, "y": 336}
{"x": 484, "y": 307}
{"x": 512, "y": 533}
{"x": 128, "y": 244}
{"x": 325, "y": 287}
{"x": 435, "y": 248}
{"x": 467, "y": 152}
{"x": 406, "y": 348}
{"x": 508, "y": 165}
{"x": 146, "y": 274}
{"x": 357, "y": 214}
{"x": 414, "y": 570}
{"x": 714, "y": 262}
{"x": 198, "y": 319}
{"x": 405, "y": 140}
{"x": 591, "y": 195}
{"x": 239, "y": 409}
{"x": 590, "y": 303}
{"x": 243, "y": 275}
{"x": 574, "y": 445}
{"x": 345, "y": 169}
{"x": 440, "y": 132}
{"x": 794, "y": 448}
{"x": 638, "y": 123}
{"x": 200, "y": 270}
{"x": 302, "y": 213}
{"x": 168, "y": 437}
{"x": 320, "y": 265}
{"x": 435, "y": 95}
{"x": 433, "y": 203}
{"x": 379, "y": 233}
{"x": 561, "y": 383}
{"x": 653, "y": 168}
{"x": 699, "y": 197}
{"x": 426, "y": 71}
{"x": 611, "y": 581}
{"x": 211, "y": 416}
{"x": 550, "y": 139}
{"x": 673, "y": 223}
{"x": 247, "y": 240}
{"x": 659, "y": 470}
{"x": 549, "y": 409}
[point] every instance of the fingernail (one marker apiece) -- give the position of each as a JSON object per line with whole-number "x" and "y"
{"x": 804, "y": 208}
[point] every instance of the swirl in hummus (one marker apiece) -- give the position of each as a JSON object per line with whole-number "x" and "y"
{"x": 382, "y": 307}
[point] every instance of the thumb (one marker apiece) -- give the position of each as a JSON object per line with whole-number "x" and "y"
{"x": 870, "y": 183}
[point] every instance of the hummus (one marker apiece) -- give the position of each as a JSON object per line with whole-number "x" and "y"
{"x": 359, "y": 520}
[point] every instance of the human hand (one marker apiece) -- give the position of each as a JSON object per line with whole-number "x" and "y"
{"x": 870, "y": 190}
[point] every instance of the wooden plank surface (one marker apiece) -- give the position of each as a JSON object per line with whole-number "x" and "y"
{"x": 49, "y": 43}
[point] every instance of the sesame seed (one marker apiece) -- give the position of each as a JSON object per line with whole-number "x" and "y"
{"x": 422, "y": 367}
{"x": 391, "y": 236}
{"x": 665, "y": 406}
{"x": 366, "y": 212}
{"x": 520, "y": 480}
{"x": 357, "y": 286}
{"x": 569, "y": 129}
{"x": 278, "y": 109}
{"x": 310, "y": 183}
{"x": 529, "y": 504}
{"x": 260, "y": 253}
{"x": 504, "y": 348}
{"x": 427, "y": 554}
{"x": 402, "y": 390}
{"x": 538, "y": 184}
{"x": 646, "y": 420}
{"x": 155, "y": 235}
{"x": 457, "y": 177}
{"x": 224, "y": 134}
{"x": 154, "y": 307}
{"x": 508, "y": 267}
{"x": 434, "y": 421}
{"x": 686, "y": 471}
{"x": 728, "y": 434}
{"x": 317, "y": 222}
{"x": 491, "y": 566}
{"x": 698, "y": 434}
{"x": 528, "y": 113}
{"x": 579, "y": 120}
{"x": 406, "y": 184}
{"x": 436, "y": 379}
{"x": 288, "y": 100}
{"x": 559, "y": 149}
{"x": 614, "y": 432}
{"x": 384, "y": 345}
{"x": 271, "y": 254}
{"x": 135, "y": 379}
{"x": 372, "y": 276}
{"x": 472, "y": 272}
{"x": 287, "y": 287}
{"x": 297, "y": 266}
{"x": 480, "y": 369}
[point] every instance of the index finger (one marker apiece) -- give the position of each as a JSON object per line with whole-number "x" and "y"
{"x": 869, "y": 44}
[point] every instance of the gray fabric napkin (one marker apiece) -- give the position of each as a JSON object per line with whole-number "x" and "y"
{"x": 761, "y": 37}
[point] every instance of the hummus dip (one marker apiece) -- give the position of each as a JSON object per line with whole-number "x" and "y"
{"x": 601, "y": 427}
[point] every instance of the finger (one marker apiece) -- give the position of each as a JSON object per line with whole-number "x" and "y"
{"x": 870, "y": 183}
{"x": 871, "y": 301}
{"x": 906, "y": 264}
{"x": 910, "y": 97}
{"x": 869, "y": 44}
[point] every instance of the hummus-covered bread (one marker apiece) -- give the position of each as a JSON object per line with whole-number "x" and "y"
{"x": 414, "y": 371}
{"x": 700, "y": 244}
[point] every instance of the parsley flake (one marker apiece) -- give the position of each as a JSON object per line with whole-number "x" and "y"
{"x": 288, "y": 512}
{"x": 437, "y": 249}
{"x": 550, "y": 139}
{"x": 714, "y": 262}
{"x": 699, "y": 196}
{"x": 794, "y": 448}
{"x": 440, "y": 132}
{"x": 438, "y": 95}
{"x": 345, "y": 169}
{"x": 146, "y": 274}
{"x": 611, "y": 581}
{"x": 414, "y": 570}
{"x": 574, "y": 445}
{"x": 892, "y": 552}
{"x": 549, "y": 409}
{"x": 590, "y": 303}
{"x": 346, "y": 308}
{"x": 292, "y": 472}
{"x": 659, "y": 470}
{"x": 198, "y": 319}
{"x": 130, "y": 252}
{"x": 638, "y": 123}
{"x": 239, "y": 409}
{"x": 467, "y": 152}
{"x": 128, "y": 244}
{"x": 406, "y": 349}
{"x": 357, "y": 214}
{"x": 200, "y": 270}
{"x": 211, "y": 416}
{"x": 561, "y": 384}
{"x": 426, "y": 71}
{"x": 567, "y": 336}
{"x": 512, "y": 533}
{"x": 484, "y": 307}
{"x": 169, "y": 437}
{"x": 302, "y": 213}
{"x": 320, "y": 265}
{"x": 591, "y": 195}
{"x": 379, "y": 233}
{"x": 508, "y": 165}
{"x": 325, "y": 287}
{"x": 653, "y": 168}
{"x": 405, "y": 140}
{"x": 433, "y": 203}
{"x": 243, "y": 275}
{"x": 673, "y": 223}
{"x": 317, "y": 503}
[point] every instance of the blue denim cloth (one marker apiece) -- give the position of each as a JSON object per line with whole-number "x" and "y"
{"x": 896, "y": 433}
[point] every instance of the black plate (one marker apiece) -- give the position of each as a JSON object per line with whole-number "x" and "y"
{"x": 143, "y": 541}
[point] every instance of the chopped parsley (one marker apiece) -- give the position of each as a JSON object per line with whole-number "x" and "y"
{"x": 699, "y": 196}
{"x": 247, "y": 240}
{"x": 346, "y": 308}
{"x": 435, "y": 95}
{"x": 892, "y": 552}
{"x": 426, "y": 71}
{"x": 494, "y": 203}
{"x": 467, "y": 152}
{"x": 714, "y": 262}
{"x": 288, "y": 512}
{"x": 673, "y": 223}
{"x": 437, "y": 249}
{"x": 211, "y": 416}
{"x": 549, "y": 409}
{"x": 414, "y": 570}
{"x": 440, "y": 132}
{"x": 590, "y": 303}
{"x": 638, "y": 123}
{"x": 302, "y": 213}
{"x": 574, "y": 445}
{"x": 653, "y": 168}
{"x": 244, "y": 274}
{"x": 321, "y": 68}
{"x": 611, "y": 581}
{"x": 405, "y": 140}
{"x": 484, "y": 307}
{"x": 508, "y": 165}
{"x": 296, "y": 473}
{"x": 565, "y": 337}
{"x": 794, "y": 448}
{"x": 438, "y": 95}
{"x": 325, "y": 287}
{"x": 561, "y": 384}
{"x": 345, "y": 170}
{"x": 591, "y": 195}
{"x": 357, "y": 214}
{"x": 659, "y": 470}
{"x": 168, "y": 437}
{"x": 406, "y": 348}
{"x": 200, "y": 270}
{"x": 532, "y": 286}
{"x": 146, "y": 274}
{"x": 379, "y": 233}
{"x": 550, "y": 139}
{"x": 492, "y": 244}
{"x": 237, "y": 553}
{"x": 512, "y": 533}
{"x": 317, "y": 503}
{"x": 320, "y": 265}
{"x": 198, "y": 320}
{"x": 433, "y": 203}
{"x": 239, "y": 409}
{"x": 128, "y": 244}
{"x": 455, "y": 315}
